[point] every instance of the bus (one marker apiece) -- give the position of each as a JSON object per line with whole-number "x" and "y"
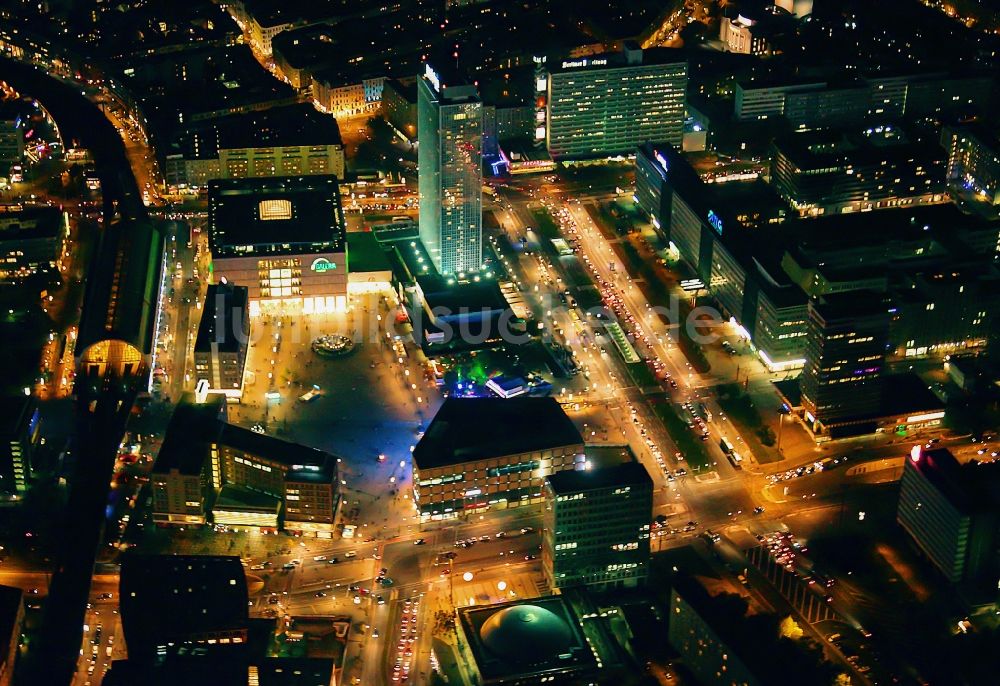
{"x": 734, "y": 457}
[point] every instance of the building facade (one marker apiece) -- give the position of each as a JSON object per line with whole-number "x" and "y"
{"x": 952, "y": 521}
{"x": 293, "y": 140}
{"x": 845, "y": 359}
{"x": 491, "y": 453}
{"x": 20, "y": 426}
{"x": 944, "y": 310}
{"x": 973, "y": 160}
{"x": 220, "y": 348}
{"x": 399, "y": 107}
{"x": 876, "y": 168}
{"x": 32, "y": 238}
{"x": 11, "y": 628}
{"x": 302, "y": 479}
{"x": 596, "y": 526}
{"x": 450, "y": 131}
{"x": 718, "y": 244}
{"x": 209, "y": 470}
{"x": 182, "y": 475}
{"x": 822, "y": 103}
{"x": 742, "y": 35}
{"x": 282, "y": 238}
{"x": 704, "y": 652}
{"x": 335, "y": 94}
{"x": 292, "y": 160}
{"x": 608, "y": 105}
{"x": 11, "y": 139}
{"x": 652, "y": 193}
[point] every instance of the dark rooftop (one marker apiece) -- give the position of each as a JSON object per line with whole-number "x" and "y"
{"x": 905, "y": 393}
{"x": 171, "y": 598}
{"x": 25, "y": 222}
{"x": 851, "y": 305}
{"x": 574, "y": 481}
{"x": 467, "y": 429}
{"x": 10, "y": 607}
{"x": 192, "y": 426}
{"x": 871, "y": 145}
{"x": 289, "y": 126}
{"x": 218, "y": 669}
{"x": 969, "y": 487}
{"x": 276, "y": 215}
{"x": 245, "y": 500}
{"x": 407, "y": 88}
{"x": 365, "y": 253}
{"x": 225, "y": 319}
{"x": 15, "y": 412}
{"x": 272, "y": 448}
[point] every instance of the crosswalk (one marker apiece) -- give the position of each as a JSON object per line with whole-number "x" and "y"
{"x": 812, "y": 605}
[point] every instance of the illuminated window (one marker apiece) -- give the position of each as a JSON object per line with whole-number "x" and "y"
{"x": 274, "y": 209}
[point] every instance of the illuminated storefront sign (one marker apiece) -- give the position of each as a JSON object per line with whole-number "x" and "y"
{"x": 716, "y": 223}
{"x": 433, "y": 77}
{"x": 929, "y": 416}
{"x": 321, "y": 264}
{"x": 574, "y": 64}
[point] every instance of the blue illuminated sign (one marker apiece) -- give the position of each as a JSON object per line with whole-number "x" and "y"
{"x": 716, "y": 223}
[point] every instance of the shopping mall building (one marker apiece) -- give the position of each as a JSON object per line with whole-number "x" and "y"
{"x": 284, "y": 239}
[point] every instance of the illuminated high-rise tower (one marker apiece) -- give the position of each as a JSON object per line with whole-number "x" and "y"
{"x": 449, "y": 131}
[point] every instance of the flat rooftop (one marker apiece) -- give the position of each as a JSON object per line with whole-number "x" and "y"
{"x": 236, "y": 498}
{"x": 869, "y": 145}
{"x": 365, "y": 253}
{"x": 191, "y": 428}
{"x": 29, "y": 222}
{"x": 169, "y": 597}
{"x": 219, "y": 668}
{"x": 468, "y": 429}
{"x": 970, "y": 487}
{"x": 618, "y": 60}
{"x": 282, "y": 215}
{"x": 575, "y": 481}
{"x": 225, "y": 319}
{"x": 296, "y": 125}
{"x": 272, "y": 448}
{"x": 907, "y": 394}
{"x": 840, "y": 231}
{"x": 16, "y": 411}
{"x": 10, "y": 606}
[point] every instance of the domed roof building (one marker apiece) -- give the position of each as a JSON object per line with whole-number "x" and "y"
{"x": 514, "y": 642}
{"x": 526, "y": 633}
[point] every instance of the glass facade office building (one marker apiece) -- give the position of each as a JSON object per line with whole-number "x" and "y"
{"x": 449, "y": 129}
{"x": 610, "y": 104}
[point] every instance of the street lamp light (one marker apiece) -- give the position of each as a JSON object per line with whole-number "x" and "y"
{"x": 501, "y": 585}
{"x": 467, "y": 576}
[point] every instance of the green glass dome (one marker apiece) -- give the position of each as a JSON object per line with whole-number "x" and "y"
{"x": 526, "y": 634}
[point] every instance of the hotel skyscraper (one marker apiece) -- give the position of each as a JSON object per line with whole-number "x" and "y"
{"x": 449, "y": 130}
{"x": 610, "y": 104}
